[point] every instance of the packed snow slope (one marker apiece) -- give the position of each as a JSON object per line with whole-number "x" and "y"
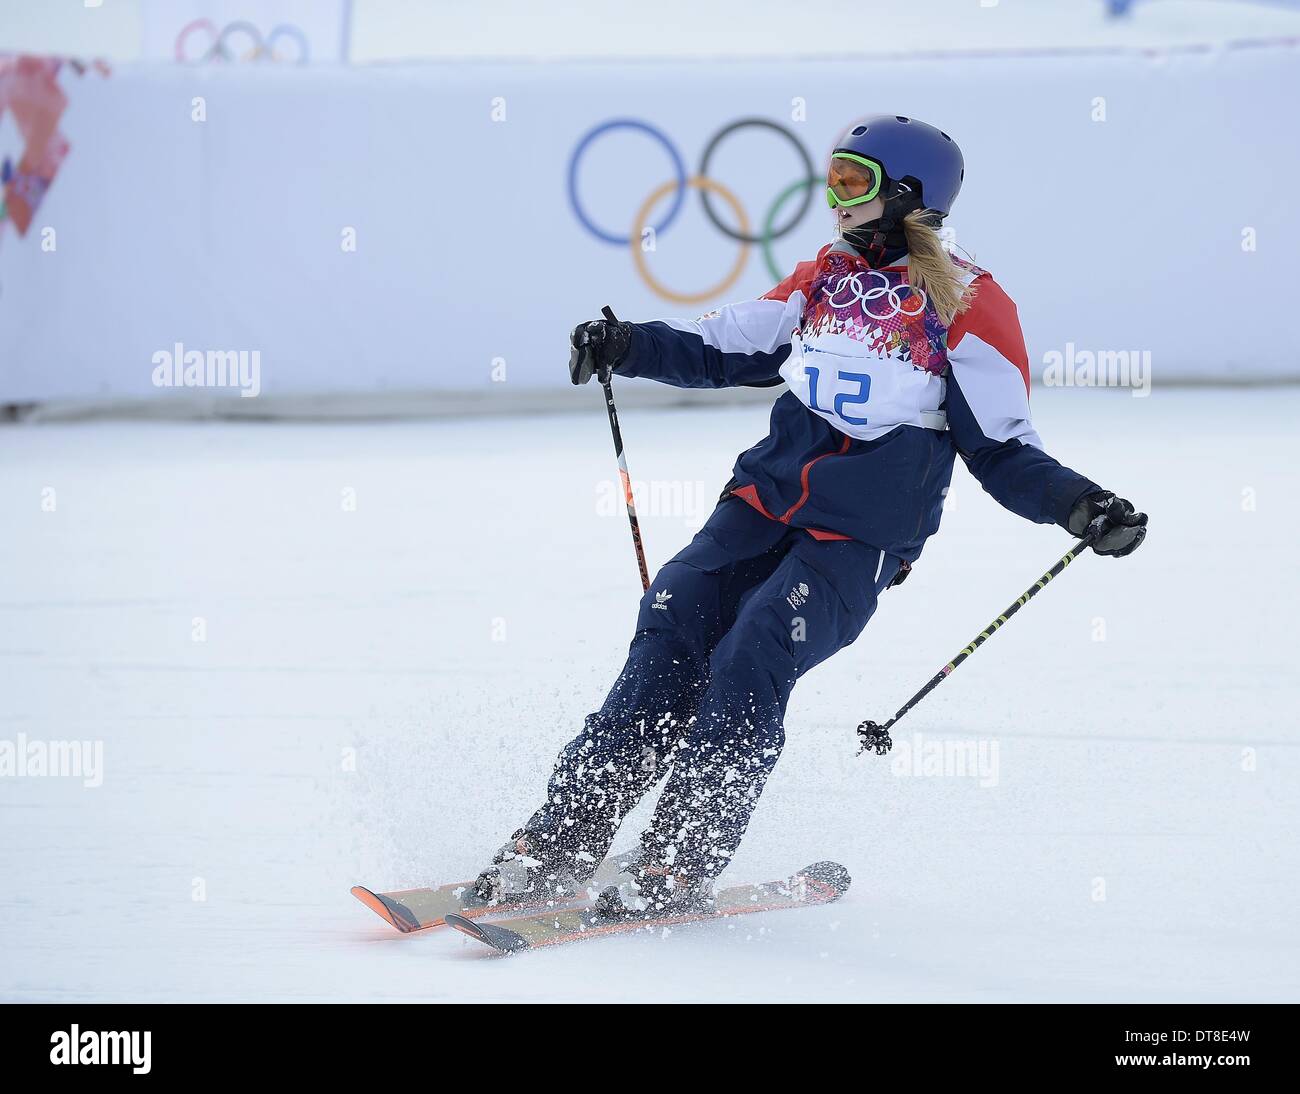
{"x": 317, "y": 655}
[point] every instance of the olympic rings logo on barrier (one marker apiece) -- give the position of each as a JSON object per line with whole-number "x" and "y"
{"x": 769, "y": 232}
{"x": 864, "y": 297}
{"x": 223, "y": 43}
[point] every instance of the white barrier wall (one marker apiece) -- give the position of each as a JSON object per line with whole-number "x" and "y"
{"x": 410, "y": 228}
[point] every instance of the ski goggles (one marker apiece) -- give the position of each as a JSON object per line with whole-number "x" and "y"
{"x": 852, "y": 180}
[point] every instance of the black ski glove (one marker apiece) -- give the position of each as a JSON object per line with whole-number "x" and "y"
{"x": 599, "y": 347}
{"x": 1125, "y": 528}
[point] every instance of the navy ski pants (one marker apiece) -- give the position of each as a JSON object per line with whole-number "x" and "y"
{"x": 723, "y": 633}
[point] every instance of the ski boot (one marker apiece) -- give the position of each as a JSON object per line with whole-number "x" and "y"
{"x": 649, "y": 890}
{"x": 527, "y": 871}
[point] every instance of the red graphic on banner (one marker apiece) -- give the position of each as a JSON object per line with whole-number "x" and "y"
{"x": 30, "y": 92}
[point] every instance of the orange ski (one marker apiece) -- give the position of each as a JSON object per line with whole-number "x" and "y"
{"x": 820, "y": 883}
{"x": 411, "y": 910}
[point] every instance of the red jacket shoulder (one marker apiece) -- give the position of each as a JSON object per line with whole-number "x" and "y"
{"x": 993, "y": 319}
{"x": 799, "y": 280}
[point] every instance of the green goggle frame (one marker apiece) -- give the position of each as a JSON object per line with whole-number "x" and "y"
{"x": 834, "y": 200}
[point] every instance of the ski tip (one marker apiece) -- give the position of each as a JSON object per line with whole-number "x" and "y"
{"x": 499, "y": 938}
{"x": 829, "y": 874}
{"x": 392, "y": 912}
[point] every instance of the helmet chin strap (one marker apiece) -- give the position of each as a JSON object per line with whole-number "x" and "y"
{"x": 879, "y": 241}
{"x": 884, "y": 240}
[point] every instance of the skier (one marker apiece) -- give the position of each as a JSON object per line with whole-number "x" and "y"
{"x": 899, "y": 357}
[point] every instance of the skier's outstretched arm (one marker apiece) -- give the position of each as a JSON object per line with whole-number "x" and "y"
{"x": 736, "y": 345}
{"x": 988, "y": 414}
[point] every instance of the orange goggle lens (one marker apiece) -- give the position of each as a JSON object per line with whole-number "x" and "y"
{"x": 851, "y": 181}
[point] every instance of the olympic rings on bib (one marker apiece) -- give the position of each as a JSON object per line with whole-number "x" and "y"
{"x": 708, "y": 188}
{"x": 887, "y": 289}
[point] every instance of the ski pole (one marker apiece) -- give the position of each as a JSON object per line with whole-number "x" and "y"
{"x": 877, "y": 736}
{"x": 606, "y": 382}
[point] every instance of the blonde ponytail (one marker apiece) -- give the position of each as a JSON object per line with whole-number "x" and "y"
{"x": 932, "y": 270}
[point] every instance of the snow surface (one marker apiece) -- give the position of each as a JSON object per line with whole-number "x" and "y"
{"x": 326, "y": 630}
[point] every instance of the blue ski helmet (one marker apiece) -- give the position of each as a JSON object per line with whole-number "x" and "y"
{"x": 910, "y": 149}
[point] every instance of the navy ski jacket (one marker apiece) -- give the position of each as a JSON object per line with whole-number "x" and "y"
{"x": 882, "y": 397}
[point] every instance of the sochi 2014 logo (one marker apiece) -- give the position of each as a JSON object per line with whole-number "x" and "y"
{"x": 773, "y": 225}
